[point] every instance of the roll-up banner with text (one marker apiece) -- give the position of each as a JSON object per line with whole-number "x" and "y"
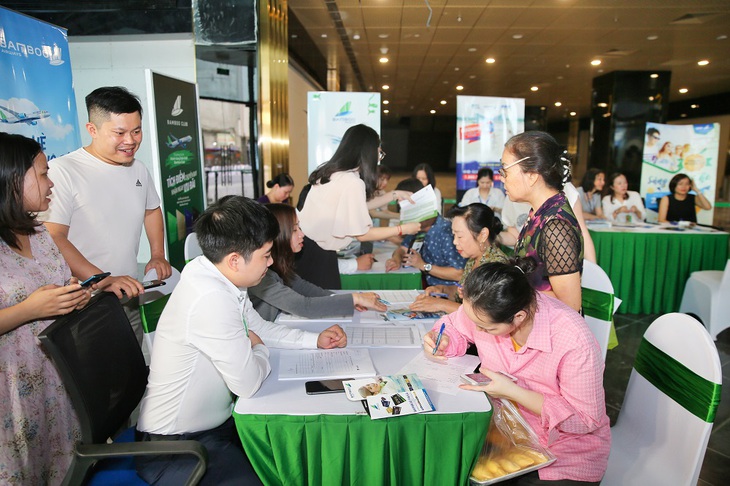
{"x": 483, "y": 125}
{"x": 330, "y": 114}
{"x": 178, "y": 157}
{"x": 679, "y": 149}
{"x": 36, "y": 88}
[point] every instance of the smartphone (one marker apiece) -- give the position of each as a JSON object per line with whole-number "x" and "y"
{"x": 151, "y": 284}
{"x": 325, "y": 386}
{"x": 95, "y": 279}
{"x": 476, "y": 379}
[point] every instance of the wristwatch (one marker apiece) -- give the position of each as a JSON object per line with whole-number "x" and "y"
{"x": 427, "y": 267}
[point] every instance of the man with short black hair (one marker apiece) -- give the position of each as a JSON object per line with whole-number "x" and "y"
{"x": 209, "y": 346}
{"x": 103, "y": 196}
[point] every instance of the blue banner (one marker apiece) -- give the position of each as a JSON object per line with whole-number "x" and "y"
{"x": 36, "y": 93}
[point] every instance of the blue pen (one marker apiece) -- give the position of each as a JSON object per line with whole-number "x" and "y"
{"x": 384, "y": 302}
{"x": 439, "y": 294}
{"x": 438, "y": 338}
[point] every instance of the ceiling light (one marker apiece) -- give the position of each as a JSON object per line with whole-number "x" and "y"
{"x": 694, "y": 107}
{"x": 324, "y": 36}
{"x": 386, "y": 111}
{"x": 456, "y": 69}
{"x": 473, "y": 76}
{"x": 703, "y": 62}
{"x": 382, "y": 36}
{"x": 572, "y": 113}
{"x": 446, "y": 82}
{"x": 721, "y": 37}
{"x": 432, "y": 112}
{"x": 596, "y": 62}
{"x": 652, "y": 37}
{"x": 534, "y": 88}
{"x": 472, "y": 49}
{"x": 490, "y": 60}
{"x": 356, "y": 36}
{"x": 385, "y": 86}
{"x": 383, "y": 50}
{"x": 654, "y": 76}
{"x": 683, "y": 90}
{"x": 383, "y": 60}
{"x": 385, "y": 102}
{"x": 557, "y": 103}
{"x": 543, "y": 108}
{"x": 443, "y": 102}
{"x": 459, "y": 88}
{"x": 651, "y": 98}
{"x": 683, "y": 115}
{"x": 603, "y": 105}
{"x": 294, "y": 36}
{"x": 517, "y": 36}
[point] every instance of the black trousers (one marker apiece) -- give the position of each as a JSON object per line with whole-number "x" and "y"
{"x": 318, "y": 266}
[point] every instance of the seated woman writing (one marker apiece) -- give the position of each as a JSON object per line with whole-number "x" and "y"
{"x": 554, "y": 357}
{"x": 475, "y": 229}
{"x": 680, "y": 205}
{"x": 283, "y": 290}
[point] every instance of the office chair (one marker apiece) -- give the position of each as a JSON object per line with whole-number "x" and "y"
{"x": 102, "y": 367}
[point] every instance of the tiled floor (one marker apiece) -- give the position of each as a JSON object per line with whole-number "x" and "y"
{"x": 630, "y": 328}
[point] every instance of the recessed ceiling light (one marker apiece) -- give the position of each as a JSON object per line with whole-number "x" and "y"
{"x": 557, "y": 103}
{"x": 382, "y": 36}
{"x": 560, "y": 77}
{"x": 324, "y": 36}
{"x": 383, "y": 60}
{"x": 385, "y": 86}
{"x": 517, "y": 36}
{"x": 443, "y": 102}
{"x": 651, "y": 98}
{"x": 683, "y": 115}
{"x": 534, "y": 88}
{"x": 473, "y": 76}
{"x": 572, "y": 113}
{"x": 294, "y": 36}
{"x": 703, "y": 62}
{"x": 683, "y": 90}
{"x": 596, "y": 62}
{"x": 386, "y": 102}
{"x": 456, "y": 69}
{"x": 654, "y": 76}
{"x": 432, "y": 112}
{"x": 490, "y": 60}
{"x": 721, "y": 37}
{"x": 356, "y": 36}
{"x": 446, "y": 82}
{"x": 603, "y": 105}
{"x": 543, "y": 108}
{"x": 386, "y": 111}
{"x": 694, "y": 107}
{"x": 472, "y": 49}
{"x": 652, "y": 37}
{"x": 459, "y": 88}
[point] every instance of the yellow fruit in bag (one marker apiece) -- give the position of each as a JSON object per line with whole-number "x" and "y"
{"x": 508, "y": 465}
{"x": 480, "y": 472}
{"x": 520, "y": 459}
{"x": 495, "y": 469}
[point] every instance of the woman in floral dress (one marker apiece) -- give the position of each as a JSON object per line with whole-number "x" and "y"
{"x": 534, "y": 170}
{"x": 38, "y": 426}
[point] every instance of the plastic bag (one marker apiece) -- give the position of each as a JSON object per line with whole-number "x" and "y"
{"x": 511, "y": 449}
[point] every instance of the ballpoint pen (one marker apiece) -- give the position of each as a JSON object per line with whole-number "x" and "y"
{"x": 438, "y": 338}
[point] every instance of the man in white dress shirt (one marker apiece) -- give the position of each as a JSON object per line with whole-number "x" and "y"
{"x": 210, "y": 347}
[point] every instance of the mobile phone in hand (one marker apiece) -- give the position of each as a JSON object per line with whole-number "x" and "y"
{"x": 325, "y": 386}
{"x": 476, "y": 379}
{"x": 94, "y": 279}
{"x": 151, "y": 284}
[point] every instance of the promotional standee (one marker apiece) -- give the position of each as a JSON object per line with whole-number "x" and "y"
{"x": 176, "y": 136}
{"x": 36, "y": 88}
{"x": 330, "y": 114}
{"x": 679, "y": 149}
{"x": 483, "y": 125}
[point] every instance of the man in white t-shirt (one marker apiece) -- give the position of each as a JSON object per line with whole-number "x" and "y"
{"x": 103, "y": 196}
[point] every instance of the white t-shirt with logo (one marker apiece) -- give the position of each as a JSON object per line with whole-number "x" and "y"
{"x": 104, "y": 207}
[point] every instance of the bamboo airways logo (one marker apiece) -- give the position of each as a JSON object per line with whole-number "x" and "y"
{"x": 53, "y": 53}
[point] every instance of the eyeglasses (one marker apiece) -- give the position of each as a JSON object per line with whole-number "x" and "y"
{"x": 381, "y": 155}
{"x": 503, "y": 170}
{"x": 656, "y": 137}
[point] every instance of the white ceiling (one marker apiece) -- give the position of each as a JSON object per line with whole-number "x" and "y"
{"x": 427, "y": 60}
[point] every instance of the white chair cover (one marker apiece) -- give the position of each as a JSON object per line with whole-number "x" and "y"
{"x": 192, "y": 248}
{"x": 595, "y": 278}
{"x": 707, "y": 295}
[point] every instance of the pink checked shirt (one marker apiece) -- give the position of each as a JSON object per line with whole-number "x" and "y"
{"x": 561, "y": 360}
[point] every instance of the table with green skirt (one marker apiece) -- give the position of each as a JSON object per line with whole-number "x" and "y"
{"x": 378, "y": 279}
{"x": 649, "y": 266}
{"x": 293, "y": 438}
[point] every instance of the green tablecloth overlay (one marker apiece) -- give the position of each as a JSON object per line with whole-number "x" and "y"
{"x": 332, "y": 450}
{"x": 650, "y": 269}
{"x": 381, "y": 281}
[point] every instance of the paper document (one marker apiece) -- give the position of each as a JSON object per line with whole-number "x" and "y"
{"x": 324, "y": 364}
{"x": 444, "y": 377}
{"x": 383, "y": 336}
{"x": 425, "y": 206}
{"x": 283, "y": 318}
{"x": 398, "y": 296}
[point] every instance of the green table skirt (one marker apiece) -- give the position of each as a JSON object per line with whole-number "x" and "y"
{"x": 649, "y": 270}
{"x": 335, "y": 450}
{"x": 381, "y": 281}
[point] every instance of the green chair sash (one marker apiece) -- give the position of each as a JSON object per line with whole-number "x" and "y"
{"x": 695, "y": 394}
{"x": 151, "y": 312}
{"x": 599, "y": 305}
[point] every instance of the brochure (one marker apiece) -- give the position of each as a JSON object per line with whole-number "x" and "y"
{"x": 405, "y": 314}
{"x": 425, "y": 206}
{"x": 391, "y": 395}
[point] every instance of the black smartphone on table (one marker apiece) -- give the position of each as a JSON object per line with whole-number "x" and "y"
{"x": 325, "y": 386}
{"x": 94, "y": 279}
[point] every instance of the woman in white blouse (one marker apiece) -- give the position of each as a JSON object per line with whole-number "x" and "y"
{"x": 485, "y": 192}
{"x": 336, "y": 209}
{"x": 620, "y": 204}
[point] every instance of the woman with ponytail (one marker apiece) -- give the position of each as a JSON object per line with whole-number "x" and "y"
{"x": 553, "y": 357}
{"x": 534, "y": 170}
{"x": 280, "y": 188}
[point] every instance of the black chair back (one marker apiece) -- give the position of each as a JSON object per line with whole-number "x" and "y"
{"x": 101, "y": 364}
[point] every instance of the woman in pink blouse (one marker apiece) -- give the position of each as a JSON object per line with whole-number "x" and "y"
{"x": 547, "y": 346}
